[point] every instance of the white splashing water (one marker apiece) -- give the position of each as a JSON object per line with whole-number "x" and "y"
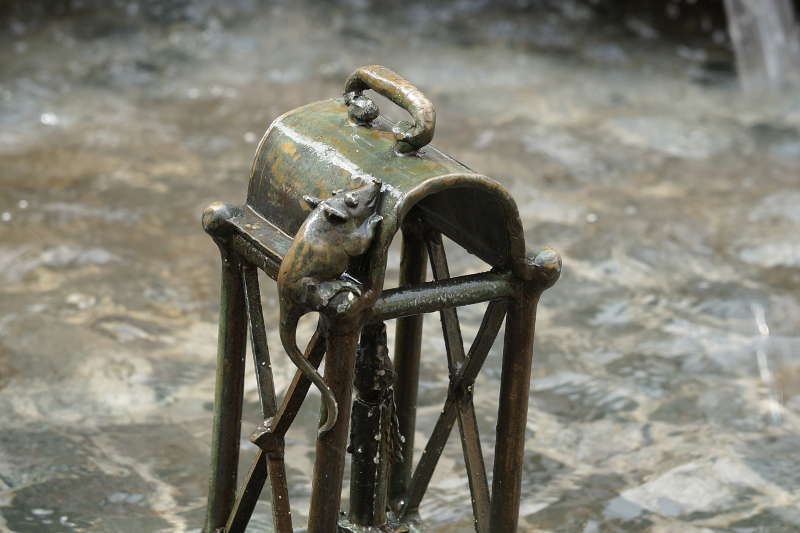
{"x": 766, "y": 40}
{"x": 762, "y": 359}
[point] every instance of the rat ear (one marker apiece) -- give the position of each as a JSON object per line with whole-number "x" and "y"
{"x": 333, "y": 214}
{"x": 312, "y": 201}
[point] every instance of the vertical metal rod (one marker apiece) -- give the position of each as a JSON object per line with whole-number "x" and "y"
{"x": 258, "y": 342}
{"x": 330, "y": 454}
{"x": 512, "y": 415}
{"x": 386, "y": 458}
{"x": 371, "y": 432}
{"x": 228, "y": 396}
{"x": 408, "y": 341}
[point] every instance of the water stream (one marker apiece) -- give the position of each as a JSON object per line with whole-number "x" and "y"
{"x": 766, "y": 39}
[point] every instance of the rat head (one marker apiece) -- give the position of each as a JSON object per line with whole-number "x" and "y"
{"x": 360, "y": 202}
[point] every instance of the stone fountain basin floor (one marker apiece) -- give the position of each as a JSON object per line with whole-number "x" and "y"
{"x": 667, "y": 384}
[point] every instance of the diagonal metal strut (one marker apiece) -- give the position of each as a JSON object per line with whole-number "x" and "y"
{"x": 463, "y": 370}
{"x": 269, "y": 461}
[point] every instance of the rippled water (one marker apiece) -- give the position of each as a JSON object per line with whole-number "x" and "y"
{"x": 667, "y": 383}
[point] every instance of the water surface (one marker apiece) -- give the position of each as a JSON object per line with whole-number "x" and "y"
{"x": 666, "y": 387}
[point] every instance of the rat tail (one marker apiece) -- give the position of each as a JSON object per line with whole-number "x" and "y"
{"x": 288, "y": 331}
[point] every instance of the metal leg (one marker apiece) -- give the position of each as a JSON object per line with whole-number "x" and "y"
{"x": 330, "y": 454}
{"x": 513, "y": 410}
{"x": 281, "y": 510}
{"x": 408, "y": 341}
{"x": 371, "y": 435}
{"x": 270, "y": 438}
{"x": 270, "y": 458}
{"x": 228, "y": 396}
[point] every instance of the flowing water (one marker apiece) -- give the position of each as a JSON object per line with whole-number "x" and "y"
{"x": 766, "y": 38}
{"x": 666, "y": 392}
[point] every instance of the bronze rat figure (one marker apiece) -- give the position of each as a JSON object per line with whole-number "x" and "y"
{"x": 312, "y": 272}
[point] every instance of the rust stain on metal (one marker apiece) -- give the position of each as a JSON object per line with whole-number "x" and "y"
{"x": 289, "y": 149}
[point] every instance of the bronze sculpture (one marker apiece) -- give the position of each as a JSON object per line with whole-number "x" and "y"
{"x": 311, "y": 273}
{"x": 425, "y": 194}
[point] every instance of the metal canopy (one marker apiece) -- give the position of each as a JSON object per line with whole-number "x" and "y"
{"x": 316, "y": 149}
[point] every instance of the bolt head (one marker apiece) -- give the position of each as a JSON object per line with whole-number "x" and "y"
{"x": 362, "y": 109}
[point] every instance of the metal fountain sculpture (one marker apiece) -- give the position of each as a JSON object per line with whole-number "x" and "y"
{"x": 343, "y": 180}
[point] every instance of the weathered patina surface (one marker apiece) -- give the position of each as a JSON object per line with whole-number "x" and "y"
{"x": 317, "y": 149}
{"x": 335, "y": 264}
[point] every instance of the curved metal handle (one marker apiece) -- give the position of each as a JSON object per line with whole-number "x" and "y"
{"x": 383, "y": 81}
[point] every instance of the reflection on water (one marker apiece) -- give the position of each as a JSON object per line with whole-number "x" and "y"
{"x": 666, "y": 387}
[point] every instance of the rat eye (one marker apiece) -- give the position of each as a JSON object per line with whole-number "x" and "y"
{"x": 351, "y": 200}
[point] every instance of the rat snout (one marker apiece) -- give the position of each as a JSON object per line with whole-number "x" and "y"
{"x": 365, "y": 197}
{"x": 376, "y": 186}
{"x": 372, "y": 186}
{"x": 368, "y": 180}
{"x": 375, "y": 190}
